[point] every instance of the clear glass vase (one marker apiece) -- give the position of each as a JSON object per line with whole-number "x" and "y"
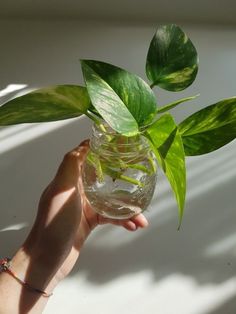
{"x": 119, "y": 173}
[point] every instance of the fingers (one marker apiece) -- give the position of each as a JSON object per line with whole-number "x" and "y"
{"x": 132, "y": 224}
{"x": 140, "y": 221}
{"x": 81, "y": 150}
{"x": 129, "y": 225}
{"x": 78, "y": 153}
{"x": 69, "y": 171}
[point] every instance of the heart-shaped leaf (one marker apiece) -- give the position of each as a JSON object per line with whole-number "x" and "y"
{"x": 108, "y": 103}
{"x": 168, "y": 148}
{"x": 172, "y": 61}
{"x": 46, "y": 104}
{"x": 131, "y": 90}
{"x": 210, "y": 128}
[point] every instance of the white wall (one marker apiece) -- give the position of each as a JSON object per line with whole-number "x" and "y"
{"x": 159, "y": 270}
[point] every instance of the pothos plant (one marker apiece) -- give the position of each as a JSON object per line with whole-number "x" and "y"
{"x": 128, "y": 105}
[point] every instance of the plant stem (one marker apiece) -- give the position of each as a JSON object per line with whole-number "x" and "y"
{"x": 139, "y": 167}
{"x": 100, "y": 168}
{"x": 152, "y": 85}
{"x": 95, "y": 162}
{"x": 131, "y": 180}
{"x": 152, "y": 163}
{"x": 118, "y": 175}
{"x": 92, "y": 117}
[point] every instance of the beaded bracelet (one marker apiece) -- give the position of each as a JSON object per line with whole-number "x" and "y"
{"x": 5, "y": 264}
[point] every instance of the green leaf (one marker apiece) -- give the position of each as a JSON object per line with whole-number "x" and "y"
{"x": 131, "y": 90}
{"x": 46, "y": 104}
{"x": 108, "y": 103}
{"x": 209, "y": 128}
{"x": 172, "y": 61}
{"x": 168, "y": 148}
{"x": 175, "y": 103}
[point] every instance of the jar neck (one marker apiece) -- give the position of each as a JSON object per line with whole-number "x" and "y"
{"x": 106, "y": 141}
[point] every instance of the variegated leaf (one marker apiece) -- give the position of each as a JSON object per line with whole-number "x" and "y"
{"x": 46, "y": 104}
{"x": 175, "y": 104}
{"x": 108, "y": 104}
{"x": 172, "y": 61}
{"x": 126, "y": 87}
{"x": 209, "y": 128}
{"x": 168, "y": 148}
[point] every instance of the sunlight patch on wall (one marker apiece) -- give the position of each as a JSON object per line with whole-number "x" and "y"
{"x": 173, "y": 294}
{"x": 16, "y": 135}
{"x": 29, "y": 132}
{"x": 18, "y": 226}
{"x": 12, "y": 88}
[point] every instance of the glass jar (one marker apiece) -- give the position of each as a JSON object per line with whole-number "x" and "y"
{"x": 119, "y": 173}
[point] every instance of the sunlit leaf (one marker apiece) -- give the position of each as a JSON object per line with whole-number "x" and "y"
{"x": 46, "y": 104}
{"x": 131, "y": 90}
{"x": 108, "y": 103}
{"x": 172, "y": 61}
{"x": 167, "y": 145}
{"x": 209, "y": 128}
{"x": 175, "y": 104}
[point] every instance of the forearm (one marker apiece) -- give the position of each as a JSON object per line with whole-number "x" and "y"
{"x": 42, "y": 266}
{"x": 39, "y": 271}
{"x": 16, "y": 297}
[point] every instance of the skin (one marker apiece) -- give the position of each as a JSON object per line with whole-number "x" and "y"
{"x": 63, "y": 223}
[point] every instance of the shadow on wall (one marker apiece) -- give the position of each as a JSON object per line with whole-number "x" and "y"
{"x": 25, "y": 171}
{"x": 229, "y": 307}
{"x": 193, "y": 251}
{"x": 204, "y": 248}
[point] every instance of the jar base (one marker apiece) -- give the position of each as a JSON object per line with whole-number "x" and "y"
{"x": 114, "y": 208}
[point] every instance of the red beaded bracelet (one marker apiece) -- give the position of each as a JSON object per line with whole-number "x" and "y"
{"x": 5, "y": 264}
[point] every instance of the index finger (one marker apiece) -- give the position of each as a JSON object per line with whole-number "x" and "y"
{"x": 82, "y": 149}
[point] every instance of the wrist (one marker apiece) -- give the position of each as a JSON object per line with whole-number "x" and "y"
{"x": 49, "y": 257}
{"x": 35, "y": 270}
{"x": 25, "y": 285}
{"x": 52, "y": 263}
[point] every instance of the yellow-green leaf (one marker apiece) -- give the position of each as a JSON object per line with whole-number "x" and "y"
{"x": 108, "y": 103}
{"x": 209, "y": 128}
{"x": 168, "y": 148}
{"x": 128, "y": 88}
{"x": 46, "y": 104}
{"x": 175, "y": 104}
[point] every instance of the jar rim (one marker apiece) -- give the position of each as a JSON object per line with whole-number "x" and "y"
{"x": 103, "y": 133}
{"x": 110, "y": 131}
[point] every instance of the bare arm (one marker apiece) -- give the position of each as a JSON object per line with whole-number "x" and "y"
{"x": 63, "y": 223}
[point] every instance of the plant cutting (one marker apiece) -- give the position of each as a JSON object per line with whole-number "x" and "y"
{"x": 133, "y": 136}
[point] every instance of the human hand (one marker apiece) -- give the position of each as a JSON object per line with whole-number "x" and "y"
{"x": 65, "y": 217}
{"x": 64, "y": 221}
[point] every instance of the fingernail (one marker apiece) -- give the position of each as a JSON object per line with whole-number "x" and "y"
{"x": 144, "y": 222}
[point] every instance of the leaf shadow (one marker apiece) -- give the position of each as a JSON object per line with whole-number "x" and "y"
{"x": 111, "y": 253}
{"x": 164, "y": 148}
